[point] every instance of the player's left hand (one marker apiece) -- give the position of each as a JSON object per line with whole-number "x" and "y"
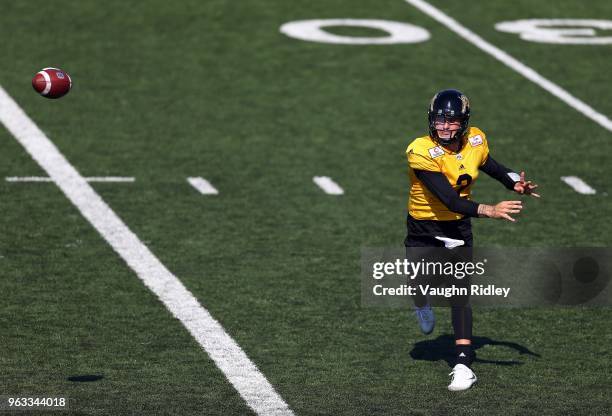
{"x": 525, "y": 187}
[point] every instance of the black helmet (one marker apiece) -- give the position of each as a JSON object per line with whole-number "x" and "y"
{"x": 449, "y": 104}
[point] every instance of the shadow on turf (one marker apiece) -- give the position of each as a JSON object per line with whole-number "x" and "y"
{"x": 86, "y": 378}
{"x": 443, "y": 348}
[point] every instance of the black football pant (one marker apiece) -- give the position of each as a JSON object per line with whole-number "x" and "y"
{"x": 421, "y": 235}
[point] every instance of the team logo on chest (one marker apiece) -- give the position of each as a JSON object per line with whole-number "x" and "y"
{"x": 435, "y": 152}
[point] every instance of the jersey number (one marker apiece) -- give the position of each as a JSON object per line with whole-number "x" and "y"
{"x": 463, "y": 181}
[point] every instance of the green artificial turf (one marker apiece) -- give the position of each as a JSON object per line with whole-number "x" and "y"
{"x": 167, "y": 90}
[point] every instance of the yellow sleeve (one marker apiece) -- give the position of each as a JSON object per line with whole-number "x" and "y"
{"x": 421, "y": 160}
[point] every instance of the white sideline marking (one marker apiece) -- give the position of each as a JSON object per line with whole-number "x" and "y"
{"x": 513, "y": 63}
{"x": 578, "y": 185}
{"x": 88, "y": 179}
{"x": 241, "y": 372}
{"x": 328, "y": 185}
{"x": 203, "y": 186}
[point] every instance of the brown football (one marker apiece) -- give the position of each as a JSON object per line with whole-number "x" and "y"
{"x": 52, "y": 82}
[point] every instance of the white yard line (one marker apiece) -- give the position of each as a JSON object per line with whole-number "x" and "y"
{"x": 88, "y": 179}
{"x": 109, "y": 179}
{"x": 578, "y": 185}
{"x": 222, "y": 349}
{"x": 28, "y": 179}
{"x": 513, "y": 63}
{"x": 328, "y": 185}
{"x": 203, "y": 186}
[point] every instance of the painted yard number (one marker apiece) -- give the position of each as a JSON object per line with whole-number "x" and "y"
{"x": 558, "y": 31}
{"x": 313, "y": 31}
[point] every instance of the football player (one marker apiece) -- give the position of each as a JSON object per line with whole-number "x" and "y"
{"x": 443, "y": 167}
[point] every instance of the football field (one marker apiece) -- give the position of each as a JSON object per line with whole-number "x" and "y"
{"x": 238, "y": 293}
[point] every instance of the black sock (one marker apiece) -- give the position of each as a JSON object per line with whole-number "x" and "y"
{"x": 461, "y": 317}
{"x": 464, "y": 354}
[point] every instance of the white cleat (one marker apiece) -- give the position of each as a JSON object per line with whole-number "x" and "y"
{"x": 463, "y": 378}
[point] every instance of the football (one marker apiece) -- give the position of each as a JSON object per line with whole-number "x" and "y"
{"x": 52, "y": 82}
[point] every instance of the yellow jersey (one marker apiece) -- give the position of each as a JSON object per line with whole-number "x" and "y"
{"x": 461, "y": 170}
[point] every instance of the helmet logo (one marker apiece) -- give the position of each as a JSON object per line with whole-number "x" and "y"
{"x": 465, "y": 103}
{"x": 431, "y": 104}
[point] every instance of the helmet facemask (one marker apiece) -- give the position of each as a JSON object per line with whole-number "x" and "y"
{"x": 442, "y": 119}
